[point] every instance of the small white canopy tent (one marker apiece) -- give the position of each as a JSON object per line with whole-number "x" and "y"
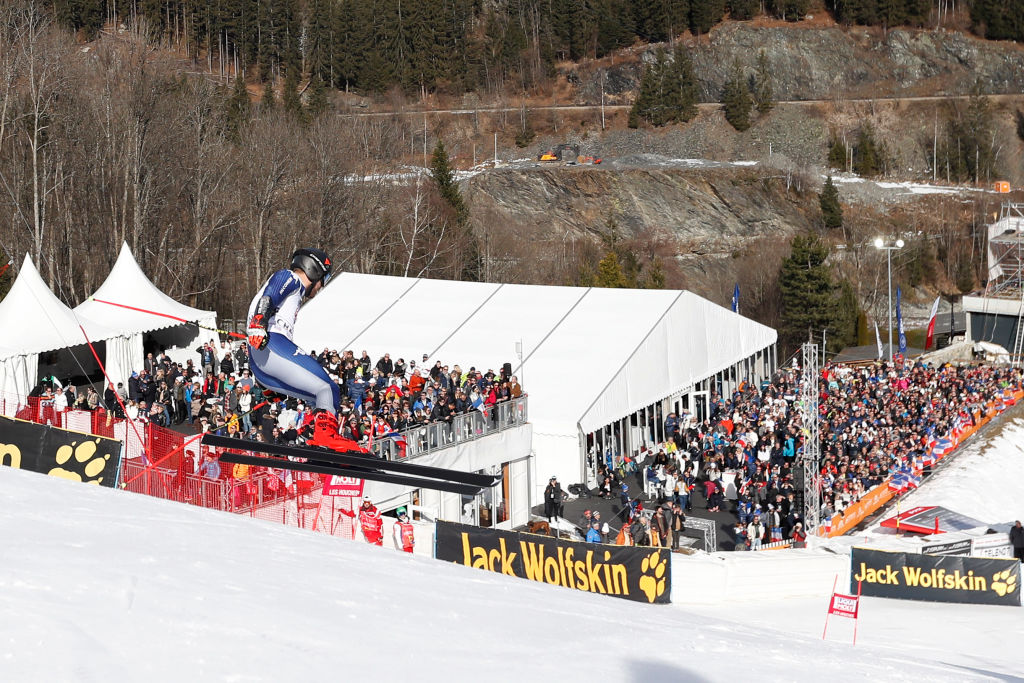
{"x": 128, "y": 285}
{"x": 589, "y": 356}
{"x": 33, "y": 321}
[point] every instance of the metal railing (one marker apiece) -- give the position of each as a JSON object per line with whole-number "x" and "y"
{"x": 424, "y": 439}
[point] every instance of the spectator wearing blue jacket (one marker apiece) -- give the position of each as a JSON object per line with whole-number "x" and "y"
{"x": 594, "y": 534}
{"x": 210, "y": 468}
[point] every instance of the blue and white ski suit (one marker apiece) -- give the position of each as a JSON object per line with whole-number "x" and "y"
{"x": 282, "y": 366}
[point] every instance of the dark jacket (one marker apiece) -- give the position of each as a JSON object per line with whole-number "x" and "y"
{"x": 1017, "y": 536}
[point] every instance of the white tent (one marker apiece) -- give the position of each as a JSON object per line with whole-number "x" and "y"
{"x": 33, "y": 321}
{"x": 589, "y": 356}
{"x": 127, "y": 285}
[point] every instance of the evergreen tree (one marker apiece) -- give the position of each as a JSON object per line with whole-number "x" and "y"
{"x": 808, "y": 293}
{"x": 290, "y": 99}
{"x": 237, "y": 110}
{"x": 268, "y": 101}
{"x": 684, "y": 106}
{"x": 736, "y": 99}
{"x": 867, "y": 157}
{"x": 609, "y": 272}
{"x": 704, "y": 14}
{"x": 443, "y": 174}
{"x": 668, "y": 91}
{"x": 831, "y": 210}
{"x": 742, "y": 10}
{"x": 846, "y": 324}
{"x": 1020, "y": 124}
{"x": 837, "y": 154}
{"x": 789, "y": 10}
{"x": 763, "y": 91}
{"x": 318, "y": 101}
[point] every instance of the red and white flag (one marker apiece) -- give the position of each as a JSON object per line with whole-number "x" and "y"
{"x": 931, "y": 324}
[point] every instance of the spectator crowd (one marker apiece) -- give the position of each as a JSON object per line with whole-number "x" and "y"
{"x": 874, "y": 421}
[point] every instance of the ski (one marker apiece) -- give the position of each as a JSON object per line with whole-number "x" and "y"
{"x": 355, "y": 459}
{"x": 347, "y": 471}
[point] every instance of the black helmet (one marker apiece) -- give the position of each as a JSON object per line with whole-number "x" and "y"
{"x": 315, "y": 263}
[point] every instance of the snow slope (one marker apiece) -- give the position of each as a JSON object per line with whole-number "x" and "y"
{"x": 98, "y": 584}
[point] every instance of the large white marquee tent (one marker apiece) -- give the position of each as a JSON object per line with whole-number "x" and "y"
{"x": 34, "y": 321}
{"x": 128, "y": 286}
{"x": 590, "y": 356}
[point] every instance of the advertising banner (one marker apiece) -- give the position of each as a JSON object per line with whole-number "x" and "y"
{"x": 939, "y": 578}
{"x": 951, "y": 548}
{"x": 992, "y": 545}
{"x": 59, "y": 453}
{"x": 343, "y": 486}
{"x": 634, "y": 573}
{"x": 844, "y": 605}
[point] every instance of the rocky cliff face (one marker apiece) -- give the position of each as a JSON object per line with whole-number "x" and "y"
{"x": 833, "y": 63}
{"x": 706, "y": 215}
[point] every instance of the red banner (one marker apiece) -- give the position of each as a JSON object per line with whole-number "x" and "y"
{"x": 343, "y": 486}
{"x": 844, "y": 605}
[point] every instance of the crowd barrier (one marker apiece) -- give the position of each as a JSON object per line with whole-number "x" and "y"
{"x": 162, "y": 462}
{"x": 874, "y": 499}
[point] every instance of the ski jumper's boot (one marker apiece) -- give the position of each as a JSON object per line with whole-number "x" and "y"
{"x": 325, "y": 434}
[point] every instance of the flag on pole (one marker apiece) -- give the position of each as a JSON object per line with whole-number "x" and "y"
{"x": 736, "y": 298}
{"x": 931, "y": 324}
{"x": 878, "y": 340}
{"x": 899, "y": 324}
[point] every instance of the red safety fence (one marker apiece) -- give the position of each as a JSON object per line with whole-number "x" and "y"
{"x": 290, "y": 498}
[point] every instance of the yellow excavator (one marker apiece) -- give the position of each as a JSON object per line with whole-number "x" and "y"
{"x": 567, "y": 154}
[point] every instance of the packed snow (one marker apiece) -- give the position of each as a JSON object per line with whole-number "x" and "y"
{"x": 100, "y": 584}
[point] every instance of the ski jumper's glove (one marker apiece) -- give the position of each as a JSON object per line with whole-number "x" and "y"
{"x": 257, "y": 328}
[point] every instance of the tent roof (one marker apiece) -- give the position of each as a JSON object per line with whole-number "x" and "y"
{"x": 34, "y": 320}
{"x": 590, "y": 355}
{"x": 128, "y": 285}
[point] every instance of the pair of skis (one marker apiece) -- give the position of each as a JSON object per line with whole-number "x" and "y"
{"x": 351, "y": 464}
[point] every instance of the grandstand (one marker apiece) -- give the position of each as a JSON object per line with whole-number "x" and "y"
{"x": 603, "y": 367}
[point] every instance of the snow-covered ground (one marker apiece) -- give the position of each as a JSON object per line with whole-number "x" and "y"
{"x": 99, "y": 584}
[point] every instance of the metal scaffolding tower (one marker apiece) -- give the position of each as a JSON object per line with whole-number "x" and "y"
{"x": 810, "y": 459}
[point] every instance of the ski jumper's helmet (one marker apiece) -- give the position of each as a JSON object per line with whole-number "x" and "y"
{"x": 315, "y": 263}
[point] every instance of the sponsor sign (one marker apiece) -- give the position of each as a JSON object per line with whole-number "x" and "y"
{"x": 337, "y": 485}
{"x": 939, "y": 578}
{"x": 952, "y": 548}
{"x": 59, "y": 453}
{"x": 634, "y": 573}
{"x": 844, "y": 605}
{"x": 993, "y": 545}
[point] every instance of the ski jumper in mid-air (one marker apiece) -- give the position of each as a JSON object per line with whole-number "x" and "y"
{"x": 277, "y": 363}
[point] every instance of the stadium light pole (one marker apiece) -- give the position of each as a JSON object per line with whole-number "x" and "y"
{"x": 889, "y": 248}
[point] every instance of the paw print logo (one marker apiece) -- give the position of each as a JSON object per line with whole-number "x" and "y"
{"x": 82, "y": 461}
{"x": 653, "y": 583}
{"x": 1004, "y": 582}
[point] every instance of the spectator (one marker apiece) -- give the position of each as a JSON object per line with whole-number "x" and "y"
{"x": 594, "y": 533}
{"x": 403, "y": 531}
{"x": 755, "y": 532}
{"x": 553, "y": 499}
{"x": 210, "y": 468}
{"x": 1017, "y": 540}
{"x": 678, "y": 524}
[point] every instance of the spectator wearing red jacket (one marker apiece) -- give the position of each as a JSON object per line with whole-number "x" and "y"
{"x": 370, "y": 521}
